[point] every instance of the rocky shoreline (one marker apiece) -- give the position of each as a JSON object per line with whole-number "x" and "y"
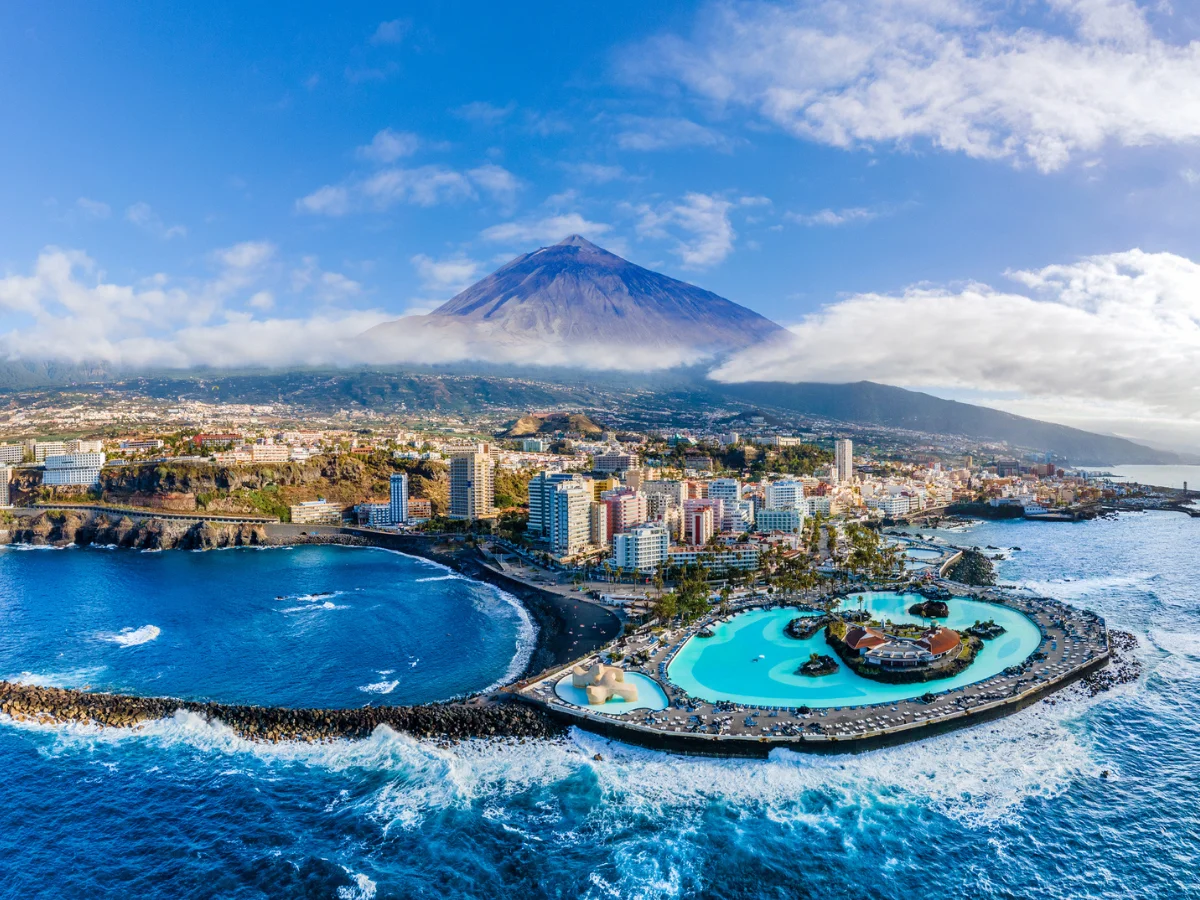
{"x": 1123, "y": 666}
{"x": 64, "y": 527}
{"x": 437, "y": 721}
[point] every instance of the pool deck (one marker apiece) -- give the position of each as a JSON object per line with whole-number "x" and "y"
{"x": 1074, "y": 641}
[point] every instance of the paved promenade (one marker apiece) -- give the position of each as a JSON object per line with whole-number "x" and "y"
{"x": 1074, "y": 642}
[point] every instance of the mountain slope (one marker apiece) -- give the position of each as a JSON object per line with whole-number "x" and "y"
{"x": 867, "y": 403}
{"x": 578, "y": 295}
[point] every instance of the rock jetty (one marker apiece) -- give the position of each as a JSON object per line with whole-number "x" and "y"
{"x": 441, "y": 721}
{"x": 1123, "y": 666}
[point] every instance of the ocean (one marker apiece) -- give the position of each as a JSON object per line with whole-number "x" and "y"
{"x": 1072, "y": 798}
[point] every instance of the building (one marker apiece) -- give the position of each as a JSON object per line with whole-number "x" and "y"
{"x": 698, "y": 524}
{"x": 262, "y": 453}
{"x": 626, "y": 508}
{"x": 570, "y": 519}
{"x": 675, "y": 491}
{"x": 641, "y": 549}
{"x": 39, "y": 450}
{"x": 541, "y": 487}
{"x": 316, "y": 512}
{"x": 598, "y": 524}
{"x": 205, "y": 441}
{"x": 419, "y": 509}
{"x": 744, "y": 557}
{"x": 889, "y": 651}
{"x": 614, "y": 462}
{"x": 11, "y": 453}
{"x": 737, "y": 515}
{"x": 78, "y": 446}
{"x": 787, "y": 493}
{"x": 843, "y": 461}
{"x": 73, "y": 469}
{"x": 141, "y": 446}
{"x": 373, "y": 515}
{"x": 472, "y": 483}
{"x": 398, "y": 499}
{"x": 789, "y": 521}
{"x": 725, "y": 489}
{"x": 5, "y": 495}
{"x": 535, "y": 445}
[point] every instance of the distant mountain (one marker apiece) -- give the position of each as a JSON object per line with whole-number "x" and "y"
{"x": 867, "y": 403}
{"x": 578, "y": 296}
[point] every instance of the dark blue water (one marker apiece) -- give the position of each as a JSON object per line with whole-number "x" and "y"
{"x": 316, "y": 626}
{"x": 1013, "y": 809}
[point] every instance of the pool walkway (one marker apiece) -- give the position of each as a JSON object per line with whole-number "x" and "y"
{"x": 1074, "y": 642}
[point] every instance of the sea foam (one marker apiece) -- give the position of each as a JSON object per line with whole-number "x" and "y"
{"x": 131, "y": 637}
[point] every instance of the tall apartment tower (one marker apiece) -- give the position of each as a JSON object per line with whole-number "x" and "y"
{"x": 473, "y": 483}
{"x": 541, "y": 490}
{"x": 844, "y": 460}
{"x": 398, "y": 499}
{"x": 6, "y": 498}
{"x": 570, "y": 518}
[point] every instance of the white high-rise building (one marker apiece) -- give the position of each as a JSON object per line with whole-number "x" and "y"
{"x": 738, "y": 516}
{"x": 398, "y": 498}
{"x": 472, "y": 483}
{"x": 843, "y": 463}
{"x": 725, "y": 489}
{"x": 11, "y": 453}
{"x": 5, "y": 496}
{"x": 789, "y": 521}
{"x": 788, "y": 493}
{"x": 570, "y": 519}
{"x": 641, "y": 549}
{"x": 73, "y": 469}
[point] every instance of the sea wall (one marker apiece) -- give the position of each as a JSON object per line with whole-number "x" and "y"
{"x": 447, "y": 721}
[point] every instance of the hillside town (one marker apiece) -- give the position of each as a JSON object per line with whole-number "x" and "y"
{"x": 559, "y": 488}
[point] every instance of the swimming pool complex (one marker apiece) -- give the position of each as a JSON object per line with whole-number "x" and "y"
{"x": 750, "y": 660}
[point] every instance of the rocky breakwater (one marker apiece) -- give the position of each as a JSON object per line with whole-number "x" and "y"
{"x": 441, "y": 721}
{"x": 1123, "y": 667}
{"x": 61, "y": 528}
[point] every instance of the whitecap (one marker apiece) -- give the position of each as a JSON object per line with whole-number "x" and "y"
{"x": 132, "y": 637}
{"x": 379, "y": 687}
{"x": 314, "y": 607}
{"x": 362, "y": 889}
{"x": 439, "y": 578}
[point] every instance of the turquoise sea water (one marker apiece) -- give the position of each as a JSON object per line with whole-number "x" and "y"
{"x": 750, "y": 659}
{"x": 1011, "y": 809}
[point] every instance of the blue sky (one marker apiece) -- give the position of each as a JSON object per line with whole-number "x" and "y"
{"x": 286, "y": 174}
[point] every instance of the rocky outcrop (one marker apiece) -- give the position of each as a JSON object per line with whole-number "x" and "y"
{"x": 1123, "y": 666}
{"x": 83, "y": 529}
{"x": 930, "y": 609}
{"x": 447, "y": 721}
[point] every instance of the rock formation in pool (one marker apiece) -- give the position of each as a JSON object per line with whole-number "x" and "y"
{"x": 985, "y": 631}
{"x": 817, "y": 665}
{"x": 902, "y": 654}
{"x": 930, "y": 609}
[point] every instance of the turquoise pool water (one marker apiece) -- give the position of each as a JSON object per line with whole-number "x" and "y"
{"x": 650, "y": 696}
{"x": 750, "y": 660}
{"x": 922, "y": 553}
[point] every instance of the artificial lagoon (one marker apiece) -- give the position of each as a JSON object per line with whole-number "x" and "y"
{"x": 750, "y": 660}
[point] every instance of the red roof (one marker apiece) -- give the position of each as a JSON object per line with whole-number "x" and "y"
{"x": 940, "y": 641}
{"x": 858, "y": 638}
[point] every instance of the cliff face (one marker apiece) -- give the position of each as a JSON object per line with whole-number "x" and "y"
{"x": 82, "y": 529}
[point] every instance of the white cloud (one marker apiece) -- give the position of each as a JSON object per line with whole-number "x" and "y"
{"x": 388, "y": 146}
{"x": 1119, "y": 330}
{"x": 330, "y": 200}
{"x": 391, "y": 32}
{"x": 596, "y": 173}
{"x": 1191, "y": 177}
{"x": 646, "y": 133}
{"x": 66, "y": 310}
{"x": 93, "y": 209}
{"x": 549, "y": 230}
{"x": 430, "y": 185}
{"x": 707, "y": 233}
{"x": 964, "y": 75}
{"x": 834, "y": 217}
{"x": 144, "y": 217}
{"x": 446, "y": 277}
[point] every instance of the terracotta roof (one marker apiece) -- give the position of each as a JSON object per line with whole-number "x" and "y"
{"x": 940, "y": 640}
{"x": 858, "y": 637}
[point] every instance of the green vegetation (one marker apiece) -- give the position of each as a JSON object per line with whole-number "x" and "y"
{"x": 689, "y": 600}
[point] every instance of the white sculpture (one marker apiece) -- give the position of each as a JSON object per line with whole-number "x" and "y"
{"x": 602, "y": 683}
